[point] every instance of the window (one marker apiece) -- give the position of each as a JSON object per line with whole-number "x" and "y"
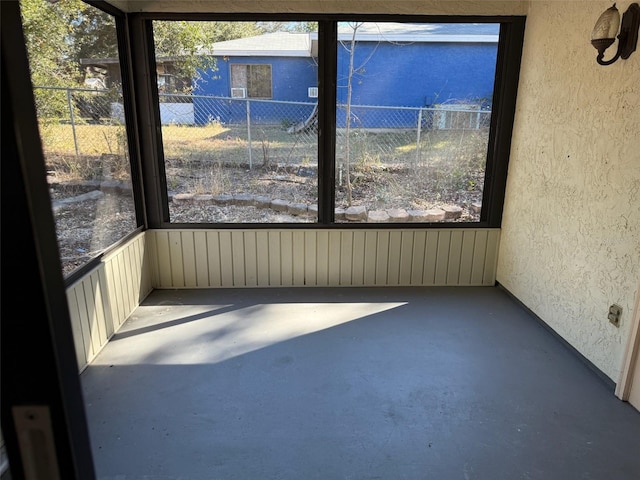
{"x": 412, "y": 120}
{"x": 82, "y": 127}
{"x": 416, "y": 131}
{"x": 250, "y": 152}
{"x": 255, "y": 79}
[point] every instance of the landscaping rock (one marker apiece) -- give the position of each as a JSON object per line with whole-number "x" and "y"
{"x": 312, "y": 210}
{"x": 93, "y": 195}
{"x": 183, "y": 198}
{"x": 279, "y": 205}
{"x": 434, "y": 215}
{"x": 243, "y": 199}
{"x": 418, "y": 215}
{"x": 203, "y": 199}
{"x": 452, "y": 212}
{"x": 262, "y": 202}
{"x": 378, "y": 216}
{"x": 223, "y": 199}
{"x": 340, "y": 213}
{"x": 476, "y": 207}
{"x": 356, "y": 213}
{"x": 398, "y": 215}
{"x": 298, "y": 209}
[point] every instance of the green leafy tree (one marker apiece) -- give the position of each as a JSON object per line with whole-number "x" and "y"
{"x": 93, "y": 36}
{"x": 190, "y": 43}
{"x": 60, "y": 34}
{"x": 48, "y": 30}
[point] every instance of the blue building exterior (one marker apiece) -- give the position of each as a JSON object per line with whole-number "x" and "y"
{"x": 395, "y": 65}
{"x": 414, "y": 75}
{"x": 290, "y": 79}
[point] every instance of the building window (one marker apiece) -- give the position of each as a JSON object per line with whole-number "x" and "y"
{"x": 254, "y": 79}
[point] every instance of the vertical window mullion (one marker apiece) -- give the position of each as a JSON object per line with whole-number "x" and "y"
{"x": 504, "y": 104}
{"x": 327, "y": 70}
{"x": 149, "y": 124}
{"x": 124, "y": 56}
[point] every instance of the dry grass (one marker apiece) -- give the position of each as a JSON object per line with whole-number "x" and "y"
{"x": 58, "y": 139}
{"x": 388, "y": 168}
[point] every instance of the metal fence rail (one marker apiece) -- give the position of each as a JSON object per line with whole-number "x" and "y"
{"x": 85, "y": 122}
{"x": 273, "y": 131}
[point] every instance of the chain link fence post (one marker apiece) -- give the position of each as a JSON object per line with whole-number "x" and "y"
{"x": 417, "y": 161}
{"x": 249, "y": 134}
{"x": 73, "y": 122}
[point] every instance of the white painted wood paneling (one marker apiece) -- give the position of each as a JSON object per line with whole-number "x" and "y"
{"x": 322, "y": 257}
{"x": 81, "y": 341}
{"x": 103, "y": 299}
{"x": 280, "y": 258}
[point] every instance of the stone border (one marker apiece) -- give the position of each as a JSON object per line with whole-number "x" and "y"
{"x": 108, "y": 186}
{"x": 356, "y": 214}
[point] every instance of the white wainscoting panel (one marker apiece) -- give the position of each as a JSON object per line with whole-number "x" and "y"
{"x": 281, "y": 258}
{"x": 103, "y": 299}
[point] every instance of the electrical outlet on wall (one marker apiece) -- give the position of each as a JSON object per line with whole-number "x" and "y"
{"x": 614, "y": 314}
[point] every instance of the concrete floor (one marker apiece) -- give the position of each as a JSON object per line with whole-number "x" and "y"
{"x": 352, "y": 383}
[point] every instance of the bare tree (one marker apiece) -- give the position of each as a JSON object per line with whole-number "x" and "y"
{"x": 347, "y": 159}
{"x": 353, "y": 70}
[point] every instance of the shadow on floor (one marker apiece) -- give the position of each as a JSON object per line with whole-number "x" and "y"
{"x": 358, "y": 383}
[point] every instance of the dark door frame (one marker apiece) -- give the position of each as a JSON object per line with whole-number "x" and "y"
{"x": 42, "y": 409}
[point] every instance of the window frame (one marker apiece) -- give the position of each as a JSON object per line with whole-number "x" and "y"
{"x": 248, "y": 83}
{"x": 508, "y": 62}
{"x": 123, "y": 45}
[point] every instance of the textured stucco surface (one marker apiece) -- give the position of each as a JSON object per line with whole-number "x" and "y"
{"x": 570, "y": 245}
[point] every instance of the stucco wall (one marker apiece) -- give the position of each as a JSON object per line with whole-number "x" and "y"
{"x": 570, "y": 244}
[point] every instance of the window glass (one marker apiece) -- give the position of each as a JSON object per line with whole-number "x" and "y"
{"x": 412, "y": 125}
{"x": 240, "y": 140}
{"x": 414, "y": 106}
{"x": 255, "y": 80}
{"x": 73, "y": 60}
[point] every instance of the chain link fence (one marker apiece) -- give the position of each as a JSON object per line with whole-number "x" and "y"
{"x": 256, "y": 132}
{"x": 243, "y": 132}
{"x": 253, "y": 132}
{"x": 418, "y": 156}
{"x": 408, "y": 136}
{"x": 80, "y": 121}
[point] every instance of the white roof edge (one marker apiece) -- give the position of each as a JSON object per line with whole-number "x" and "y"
{"x": 259, "y": 53}
{"x": 375, "y": 37}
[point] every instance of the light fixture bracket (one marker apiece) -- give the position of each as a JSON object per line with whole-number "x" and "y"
{"x": 627, "y": 38}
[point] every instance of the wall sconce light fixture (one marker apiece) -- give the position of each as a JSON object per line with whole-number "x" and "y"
{"x": 606, "y": 29}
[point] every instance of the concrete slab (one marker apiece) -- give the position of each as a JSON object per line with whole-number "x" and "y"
{"x": 351, "y": 383}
